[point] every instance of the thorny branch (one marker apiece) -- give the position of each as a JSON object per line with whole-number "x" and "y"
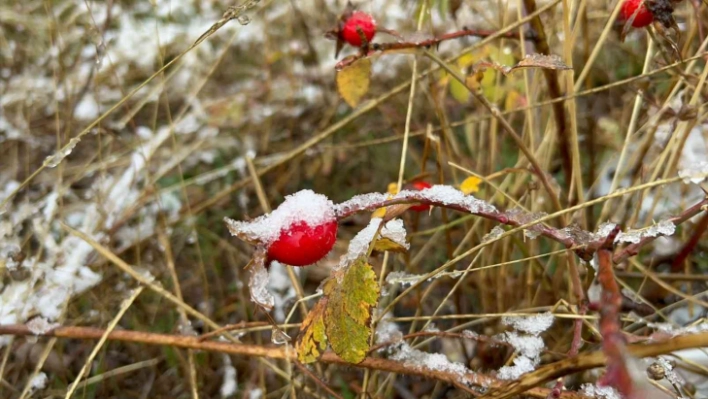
{"x": 585, "y": 249}
{"x": 528, "y": 384}
{"x": 383, "y": 48}
{"x": 613, "y": 343}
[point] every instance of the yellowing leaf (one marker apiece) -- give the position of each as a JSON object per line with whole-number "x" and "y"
{"x": 312, "y": 341}
{"x": 386, "y": 244}
{"x": 459, "y": 92}
{"x": 392, "y": 189}
{"x": 353, "y": 81}
{"x": 348, "y": 311}
{"x": 470, "y": 185}
{"x": 379, "y": 213}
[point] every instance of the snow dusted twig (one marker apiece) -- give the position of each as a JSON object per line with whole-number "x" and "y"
{"x": 585, "y": 244}
{"x": 633, "y": 249}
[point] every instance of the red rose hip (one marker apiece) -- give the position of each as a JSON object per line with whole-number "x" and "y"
{"x": 361, "y": 20}
{"x": 643, "y": 17}
{"x": 420, "y": 185}
{"x": 300, "y": 232}
{"x": 302, "y": 244}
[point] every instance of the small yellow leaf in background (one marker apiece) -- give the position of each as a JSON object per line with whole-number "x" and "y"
{"x": 470, "y": 185}
{"x": 312, "y": 341}
{"x": 348, "y": 312}
{"x": 353, "y": 81}
{"x": 392, "y": 189}
{"x": 379, "y": 213}
{"x": 385, "y": 244}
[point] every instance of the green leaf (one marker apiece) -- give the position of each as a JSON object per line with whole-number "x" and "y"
{"x": 348, "y": 312}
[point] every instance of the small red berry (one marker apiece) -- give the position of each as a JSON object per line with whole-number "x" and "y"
{"x": 643, "y": 18}
{"x": 302, "y": 244}
{"x": 349, "y": 32}
{"x": 420, "y": 185}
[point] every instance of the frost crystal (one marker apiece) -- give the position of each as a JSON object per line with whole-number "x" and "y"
{"x": 258, "y": 285}
{"x": 54, "y": 159}
{"x": 671, "y": 375}
{"x": 40, "y": 325}
{"x": 39, "y": 381}
{"x": 663, "y": 228}
{"x": 496, "y": 232}
{"x": 396, "y": 232}
{"x": 403, "y": 278}
{"x": 604, "y": 230}
{"x": 534, "y": 325}
{"x": 387, "y": 331}
{"x": 358, "y": 202}
{"x": 304, "y": 206}
{"x": 522, "y": 365}
{"x": 598, "y": 392}
{"x": 359, "y": 245}
{"x": 528, "y": 346}
{"x": 429, "y": 361}
{"x": 448, "y": 195}
{"x": 282, "y": 288}
{"x": 229, "y": 385}
{"x": 694, "y": 173}
{"x": 675, "y": 332}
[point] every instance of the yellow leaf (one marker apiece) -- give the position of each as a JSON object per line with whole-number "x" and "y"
{"x": 379, "y": 213}
{"x": 392, "y": 189}
{"x": 470, "y": 185}
{"x": 312, "y": 341}
{"x": 353, "y": 81}
{"x": 348, "y": 311}
{"x": 459, "y": 92}
{"x": 386, "y": 244}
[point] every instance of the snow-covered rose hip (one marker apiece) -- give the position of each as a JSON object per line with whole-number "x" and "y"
{"x": 300, "y": 232}
{"x": 358, "y": 20}
{"x": 643, "y": 16}
{"x": 303, "y": 244}
{"x": 420, "y": 185}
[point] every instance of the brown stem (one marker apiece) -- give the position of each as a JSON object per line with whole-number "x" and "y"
{"x": 427, "y": 43}
{"x": 273, "y": 352}
{"x": 701, "y": 227}
{"x": 613, "y": 344}
{"x": 316, "y": 379}
{"x": 591, "y": 360}
{"x": 555, "y": 92}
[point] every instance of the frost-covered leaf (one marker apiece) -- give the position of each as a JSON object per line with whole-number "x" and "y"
{"x": 348, "y": 311}
{"x": 353, "y": 81}
{"x": 258, "y": 284}
{"x": 470, "y": 185}
{"x": 312, "y": 341}
{"x": 384, "y": 244}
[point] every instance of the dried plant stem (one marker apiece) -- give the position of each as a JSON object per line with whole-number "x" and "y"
{"x": 527, "y": 384}
{"x": 540, "y": 174}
